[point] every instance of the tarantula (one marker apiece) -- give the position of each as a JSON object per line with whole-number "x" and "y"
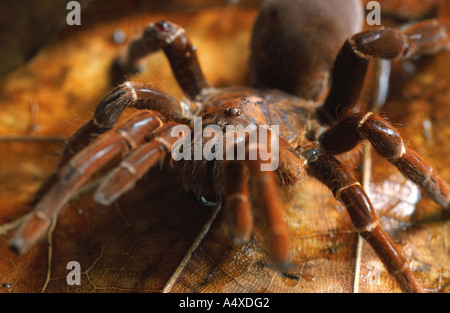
{"x": 290, "y": 67}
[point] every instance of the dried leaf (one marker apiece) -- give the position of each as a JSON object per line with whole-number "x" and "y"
{"x": 157, "y": 238}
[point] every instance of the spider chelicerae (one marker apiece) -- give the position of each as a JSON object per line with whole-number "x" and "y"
{"x": 290, "y": 69}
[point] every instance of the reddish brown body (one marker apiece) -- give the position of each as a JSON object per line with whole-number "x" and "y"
{"x": 291, "y": 67}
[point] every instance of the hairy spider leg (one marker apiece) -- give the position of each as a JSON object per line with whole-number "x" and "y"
{"x": 177, "y": 47}
{"x": 350, "y": 121}
{"x": 134, "y": 166}
{"x": 266, "y": 193}
{"x": 107, "y": 114}
{"x": 241, "y": 171}
{"x": 388, "y": 144}
{"x": 237, "y": 208}
{"x": 268, "y": 199}
{"x": 348, "y": 191}
{"x": 427, "y": 37}
{"x": 350, "y": 67}
{"x": 255, "y": 169}
{"x": 79, "y": 170}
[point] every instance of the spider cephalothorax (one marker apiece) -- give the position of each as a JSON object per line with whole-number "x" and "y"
{"x": 289, "y": 76}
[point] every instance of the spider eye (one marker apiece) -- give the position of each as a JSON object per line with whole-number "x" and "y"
{"x": 312, "y": 155}
{"x": 233, "y": 111}
{"x": 162, "y": 25}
